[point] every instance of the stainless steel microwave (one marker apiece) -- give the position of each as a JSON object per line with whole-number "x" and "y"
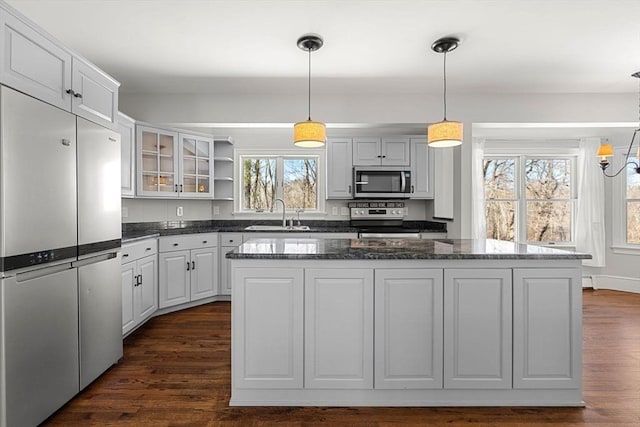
{"x": 381, "y": 182}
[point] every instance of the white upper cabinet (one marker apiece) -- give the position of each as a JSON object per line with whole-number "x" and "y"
{"x": 381, "y": 151}
{"x": 172, "y": 164}
{"x": 127, "y": 130}
{"x": 421, "y": 170}
{"x": 95, "y": 95}
{"x": 339, "y": 168}
{"x": 36, "y": 64}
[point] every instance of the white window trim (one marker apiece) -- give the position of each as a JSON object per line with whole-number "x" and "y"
{"x": 507, "y": 149}
{"x": 619, "y": 213}
{"x": 239, "y": 154}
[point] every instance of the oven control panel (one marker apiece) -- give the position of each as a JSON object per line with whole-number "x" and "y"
{"x": 372, "y": 210}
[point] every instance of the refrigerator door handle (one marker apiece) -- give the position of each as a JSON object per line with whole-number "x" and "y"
{"x": 41, "y": 272}
{"x": 95, "y": 259}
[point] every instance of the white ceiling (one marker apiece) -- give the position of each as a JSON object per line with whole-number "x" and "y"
{"x": 374, "y": 46}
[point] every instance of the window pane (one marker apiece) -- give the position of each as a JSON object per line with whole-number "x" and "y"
{"x": 258, "y": 183}
{"x": 500, "y": 220}
{"x": 548, "y": 178}
{"x": 300, "y": 183}
{"x": 633, "y": 222}
{"x": 548, "y": 221}
{"x": 633, "y": 181}
{"x": 499, "y": 178}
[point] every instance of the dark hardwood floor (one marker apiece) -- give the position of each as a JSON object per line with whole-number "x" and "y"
{"x": 176, "y": 372}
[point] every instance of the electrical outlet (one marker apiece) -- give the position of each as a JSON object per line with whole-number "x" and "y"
{"x": 216, "y": 210}
{"x": 344, "y": 211}
{"x": 334, "y": 211}
{"x": 125, "y": 212}
{"x": 179, "y": 211}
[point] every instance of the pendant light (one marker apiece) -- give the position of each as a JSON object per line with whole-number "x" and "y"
{"x": 445, "y": 133}
{"x": 309, "y": 134}
{"x": 606, "y": 150}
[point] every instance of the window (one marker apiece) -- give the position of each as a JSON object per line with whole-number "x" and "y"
{"x": 266, "y": 178}
{"x": 632, "y": 200}
{"x": 529, "y": 198}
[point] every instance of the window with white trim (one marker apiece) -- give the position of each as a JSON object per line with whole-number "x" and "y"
{"x": 292, "y": 178}
{"x": 632, "y": 203}
{"x": 530, "y": 198}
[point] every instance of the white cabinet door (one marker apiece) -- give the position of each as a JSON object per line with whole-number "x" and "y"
{"x": 204, "y": 273}
{"x": 157, "y": 162}
{"x": 366, "y": 151}
{"x": 408, "y": 325}
{"x": 338, "y": 321}
{"x": 395, "y": 152}
{"x": 175, "y": 268}
{"x": 547, "y": 328}
{"x": 421, "y": 170}
{"x": 196, "y": 166}
{"x": 95, "y": 96}
{"x": 33, "y": 64}
{"x": 267, "y": 328}
{"x": 127, "y": 130}
{"x": 477, "y": 328}
{"x": 129, "y": 276}
{"x": 147, "y": 293}
{"x": 339, "y": 168}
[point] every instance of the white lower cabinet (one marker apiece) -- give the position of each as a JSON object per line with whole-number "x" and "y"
{"x": 338, "y": 322}
{"x": 268, "y": 328}
{"x": 408, "y": 325}
{"x": 190, "y": 272}
{"x": 139, "y": 283}
{"x": 546, "y": 328}
{"x": 477, "y": 328}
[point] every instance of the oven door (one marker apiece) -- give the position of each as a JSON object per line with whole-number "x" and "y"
{"x": 381, "y": 182}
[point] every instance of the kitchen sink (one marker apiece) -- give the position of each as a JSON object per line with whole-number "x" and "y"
{"x": 277, "y": 228}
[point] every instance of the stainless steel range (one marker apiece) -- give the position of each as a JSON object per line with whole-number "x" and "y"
{"x": 380, "y": 219}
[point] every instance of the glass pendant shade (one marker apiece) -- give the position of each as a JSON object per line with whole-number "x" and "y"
{"x": 444, "y": 134}
{"x": 309, "y": 134}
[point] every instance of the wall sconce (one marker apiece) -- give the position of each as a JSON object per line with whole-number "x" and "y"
{"x": 606, "y": 150}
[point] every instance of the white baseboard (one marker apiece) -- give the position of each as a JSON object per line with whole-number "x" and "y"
{"x": 616, "y": 283}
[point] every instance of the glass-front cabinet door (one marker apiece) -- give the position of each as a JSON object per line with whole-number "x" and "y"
{"x": 196, "y": 163}
{"x": 157, "y": 166}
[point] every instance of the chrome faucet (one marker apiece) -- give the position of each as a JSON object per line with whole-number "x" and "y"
{"x": 284, "y": 211}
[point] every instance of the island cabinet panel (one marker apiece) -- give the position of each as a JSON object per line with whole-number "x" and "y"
{"x": 408, "y": 325}
{"x": 477, "y": 328}
{"x": 268, "y": 328}
{"x": 547, "y": 327}
{"x": 338, "y": 323}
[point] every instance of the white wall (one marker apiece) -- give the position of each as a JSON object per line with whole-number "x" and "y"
{"x": 392, "y": 111}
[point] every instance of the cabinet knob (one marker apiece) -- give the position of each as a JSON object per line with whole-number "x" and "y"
{"x": 70, "y": 92}
{"x": 77, "y": 95}
{"x": 125, "y": 255}
{"x": 193, "y": 265}
{"x": 204, "y": 242}
{"x": 148, "y": 249}
{"x": 230, "y": 240}
{"x": 175, "y": 244}
{"x": 188, "y": 266}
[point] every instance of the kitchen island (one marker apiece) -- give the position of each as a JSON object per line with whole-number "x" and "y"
{"x": 393, "y": 322}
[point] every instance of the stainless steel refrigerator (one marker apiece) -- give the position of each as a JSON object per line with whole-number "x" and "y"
{"x": 60, "y": 296}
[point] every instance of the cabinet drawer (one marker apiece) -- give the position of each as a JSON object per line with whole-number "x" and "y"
{"x": 230, "y": 239}
{"x": 137, "y": 250}
{"x": 188, "y": 241}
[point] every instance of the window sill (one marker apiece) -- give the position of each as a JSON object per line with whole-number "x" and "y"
{"x": 626, "y": 249}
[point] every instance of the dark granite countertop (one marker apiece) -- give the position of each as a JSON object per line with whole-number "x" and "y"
{"x": 138, "y": 230}
{"x": 371, "y": 249}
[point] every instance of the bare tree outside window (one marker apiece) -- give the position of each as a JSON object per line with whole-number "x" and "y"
{"x": 528, "y": 199}
{"x": 500, "y": 196}
{"x": 258, "y": 185}
{"x": 300, "y": 183}
{"x": 294, "y": 179}
{"x": 633, "y": 205}
{"x": 548, "y": 193}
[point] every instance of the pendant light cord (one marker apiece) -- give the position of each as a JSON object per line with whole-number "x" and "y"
{"x": 444, "y": 73}
{"x": 309, "y": 50}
